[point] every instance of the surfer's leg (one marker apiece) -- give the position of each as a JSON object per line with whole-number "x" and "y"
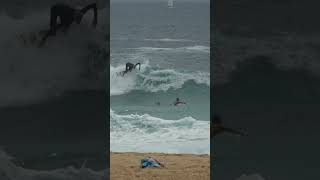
{"x": 124, "y": 72}
{"x": 53, "y": 26}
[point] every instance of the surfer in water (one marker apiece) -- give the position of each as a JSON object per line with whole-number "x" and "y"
{"x": 217, "y": 128}
{"x": 67, "y": 16}
{"x": 178, "y": 102}
{"x": 129, "y": 67}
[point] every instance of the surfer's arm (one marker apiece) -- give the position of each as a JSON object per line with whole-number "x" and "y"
{"x": 137, "y": 64}
{"x": 95, "y": 11}
{"x": 215, "y": 131}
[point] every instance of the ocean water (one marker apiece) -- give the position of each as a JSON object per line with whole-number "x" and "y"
{"x": 269, "y": 87}
{"x": 172, "y": 45}
{"x": 48, "y": 94}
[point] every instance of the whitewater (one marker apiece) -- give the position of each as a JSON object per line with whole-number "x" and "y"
{"x": 69, "y": 61}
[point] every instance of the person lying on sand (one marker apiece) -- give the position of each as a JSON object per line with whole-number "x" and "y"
{"x": 217, "y": 128}
{"x": 129, "y": 67}
{"x": 67, "y": 16}
{"x": 178, "y": 102}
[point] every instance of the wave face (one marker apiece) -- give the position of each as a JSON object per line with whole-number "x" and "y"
{"x": 69, "y": 61}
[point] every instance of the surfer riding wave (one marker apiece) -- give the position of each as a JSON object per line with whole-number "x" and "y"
{"x": 129, "y": 67}
{"x": 67, "y": 16}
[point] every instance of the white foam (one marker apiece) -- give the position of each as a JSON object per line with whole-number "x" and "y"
{"x": 29, "y": 74}
{"x": 151, "y": 79}
{"x": 145, "y": 133}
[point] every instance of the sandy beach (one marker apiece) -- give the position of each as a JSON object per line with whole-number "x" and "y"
{"x": 126, "y": 166}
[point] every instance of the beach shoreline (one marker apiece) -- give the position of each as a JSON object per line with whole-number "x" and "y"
{"x": 126, "y": 165}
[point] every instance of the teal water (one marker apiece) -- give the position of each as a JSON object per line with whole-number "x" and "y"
{"x": 196, "y": 97}
{"x": 172, "y": 46}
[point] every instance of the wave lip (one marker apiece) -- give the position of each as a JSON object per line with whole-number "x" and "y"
{"x": 152, "y": 79}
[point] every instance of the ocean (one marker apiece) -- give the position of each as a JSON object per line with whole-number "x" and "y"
{"x": 266, "y": 83}
{"x": 172, "y": 45}
{"x": 52, "y": 99}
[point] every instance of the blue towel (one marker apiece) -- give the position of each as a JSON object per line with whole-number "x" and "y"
{"x": 150, "y": 162}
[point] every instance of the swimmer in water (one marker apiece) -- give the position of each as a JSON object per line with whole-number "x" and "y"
{"x": 178, "y": 102}
{"x": 217, "y": 128}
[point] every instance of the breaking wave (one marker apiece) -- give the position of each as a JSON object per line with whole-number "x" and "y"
{"x": 69, "y": 61}
{"x": 152, "y": 79}
{"x": 146, "y": 133}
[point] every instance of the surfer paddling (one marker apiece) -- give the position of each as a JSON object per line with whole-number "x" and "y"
{"x": 217, "y": 128}
{"x": 129, "y": 67}
{"x": 67, "y": 16}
